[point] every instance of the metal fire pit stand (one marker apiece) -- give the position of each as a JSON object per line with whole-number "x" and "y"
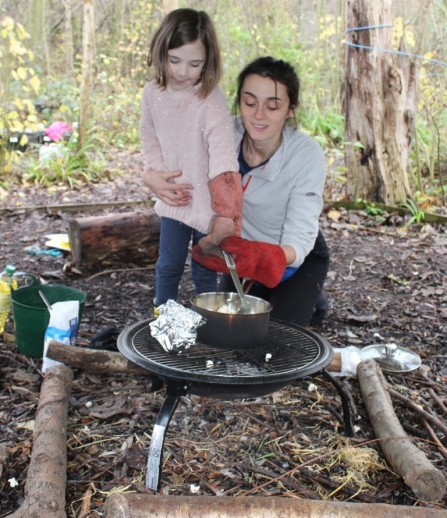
{"x": 307, "y": 354}
{"x": 175, "y": 389}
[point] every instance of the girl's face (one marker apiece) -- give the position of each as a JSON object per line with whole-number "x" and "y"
{"x": 185, "y": 65}
{"x": 264, "y": 108}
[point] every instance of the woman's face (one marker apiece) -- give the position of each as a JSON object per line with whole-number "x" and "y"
{"x": 264, "y": 108}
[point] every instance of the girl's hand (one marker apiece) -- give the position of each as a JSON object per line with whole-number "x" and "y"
{"x": 161, "y": 184}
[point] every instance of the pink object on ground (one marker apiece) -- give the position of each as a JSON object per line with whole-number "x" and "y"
{"x": 57, "y": 129}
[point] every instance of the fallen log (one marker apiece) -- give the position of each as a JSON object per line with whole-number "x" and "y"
{"x": 92, "y": 360}
{"x": 46, "y": 479}
{"x": 75, "y": 207}
{"x": 115, "y": 239}
{"x": 426, "y": 482}
{"x": 129, "y": 505}
{"x": 4, "y": 455}
{"x": 402, "y": 211}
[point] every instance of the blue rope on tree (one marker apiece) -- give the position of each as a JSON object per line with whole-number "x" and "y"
{"x": 388, "y": 51}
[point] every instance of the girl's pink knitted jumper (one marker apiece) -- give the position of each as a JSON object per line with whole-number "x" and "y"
{"x": 191, "y": 135}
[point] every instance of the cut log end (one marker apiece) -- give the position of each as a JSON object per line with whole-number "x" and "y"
{"x": 117, "y": 506}
{"x": 428, "y": 485}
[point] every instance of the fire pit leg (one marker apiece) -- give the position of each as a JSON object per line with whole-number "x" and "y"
{"x": 157, "y": 384}
{"x": 174, "y": 390}
{"x": 344, "y": 403}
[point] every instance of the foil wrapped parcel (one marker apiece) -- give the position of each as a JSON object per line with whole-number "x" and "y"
{"x": 176, "y": 327}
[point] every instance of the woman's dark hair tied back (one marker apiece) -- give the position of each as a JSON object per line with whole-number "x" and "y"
{"x": 277, "y": 70}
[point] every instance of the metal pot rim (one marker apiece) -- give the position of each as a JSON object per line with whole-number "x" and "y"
{"x": 229, "y": 294}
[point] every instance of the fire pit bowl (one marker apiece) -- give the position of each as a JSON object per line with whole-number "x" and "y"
{"x": 231, "y": 331}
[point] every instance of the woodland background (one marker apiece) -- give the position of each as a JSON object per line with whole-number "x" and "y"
{"x": 42, "y": 70}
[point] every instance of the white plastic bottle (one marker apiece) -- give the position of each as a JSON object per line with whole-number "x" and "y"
{"x": 6, "y": 281}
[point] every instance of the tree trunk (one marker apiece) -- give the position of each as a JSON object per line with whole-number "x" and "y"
{"x": 380, "y": 102}
{"x": 68, "y": 36}
{"x": 427, "y": 482}
{"x": 45, "y": 39}
{"x": 115, "y": 239}
{"x": 47, "y": 473}
{"x": 88, "y": 45}
{"x": 34, "y": 27}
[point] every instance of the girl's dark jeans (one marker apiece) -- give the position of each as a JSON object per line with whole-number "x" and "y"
{"x": 174, "y": 243}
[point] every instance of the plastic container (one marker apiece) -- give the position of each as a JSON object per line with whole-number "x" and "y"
{"x": 31, "y": 316}
{"x": 6, "y": 281}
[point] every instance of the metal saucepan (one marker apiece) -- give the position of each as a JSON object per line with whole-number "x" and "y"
{"x": 231, "y": 331}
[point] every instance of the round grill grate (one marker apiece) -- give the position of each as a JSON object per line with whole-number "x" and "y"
{"x": 295, "y": 352}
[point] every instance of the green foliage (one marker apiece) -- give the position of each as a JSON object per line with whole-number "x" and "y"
{"x": 66, "y": 164}
{"x": 309, "y": 35}
{"x": 417, "y": 215}
{"x": 59, "y": 96}
{"x": 372, "y": 210}
{"x": 430, "y": 139}
{"x": 375, "y": 214}
{"x": 117, "y": 115}
{"x": 18, "y": 86}
{"x": 328, "y": 128}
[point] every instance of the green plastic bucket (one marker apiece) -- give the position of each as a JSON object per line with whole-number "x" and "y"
{"x": 31, "y": 316}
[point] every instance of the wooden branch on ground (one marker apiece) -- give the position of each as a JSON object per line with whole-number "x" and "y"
{"x": 286, "y": 481}
{"x": 77, "y": 207}
{"x": 429, "y": 217}
{"x": 414, "y": 406}
{"x": 438, "y": 400}
{"x": 427, "y": 482}
{"x": 315, "y": 477}
{"x": 128, "y": 270}
{"x": 4, "y": 455}
{"x": 47, "y": 473}
{"x": 98, "y": 362}
{"x": 332, "y": 484}
{"x": 143, "y": 505}
{"x": 434, "y": 437}
{"x": 115, "y": 239}
{"x": 92, "y": 360}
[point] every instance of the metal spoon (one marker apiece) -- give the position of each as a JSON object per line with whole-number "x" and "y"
{"x": 245, "y": 307}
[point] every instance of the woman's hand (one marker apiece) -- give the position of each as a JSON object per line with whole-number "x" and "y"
{"x": 262, "y": 262}
{"x": 161, "y": 184}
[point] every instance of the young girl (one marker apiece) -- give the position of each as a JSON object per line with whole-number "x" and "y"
{"x": 186, "y": 130}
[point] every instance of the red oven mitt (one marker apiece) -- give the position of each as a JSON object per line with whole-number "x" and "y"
{"x": 226, "y": 198}
{"x": 256, "y": 260}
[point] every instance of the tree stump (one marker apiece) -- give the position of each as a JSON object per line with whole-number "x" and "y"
{"x": 380, "y": 103}
{"x": 113, "y": 240}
